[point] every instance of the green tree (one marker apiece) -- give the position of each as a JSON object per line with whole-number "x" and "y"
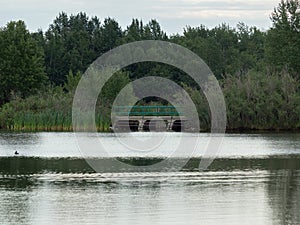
{"x": 111, "y": 34}
{"x": 22, "y": 62}
{"x": 134, "y": 32}
{"x": 74, "y": 42}
{"x": 283, "y": 39}
{"x": 153, "y": 31}
{"x": 69, "y": 45}
{"x": 251, "y": 42}
{"x": 218, "y": 47}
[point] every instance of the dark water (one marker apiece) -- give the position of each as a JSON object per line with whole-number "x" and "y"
{"x": 254, "y": 180}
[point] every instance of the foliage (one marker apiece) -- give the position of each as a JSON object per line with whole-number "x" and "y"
{"x": 51, "y": 108}
{"x": 47, "y": 111}
{"x": 225, "y": 49}
{"x": 262, "y": 100}
{"x": 283, "y": 39}
{"x": 72, "y": 81}
{"x": 22, "y": 62}
{"x": 259, "y": 71}
{"x": 67, "y": 45}
{"x": 258, "y": 100}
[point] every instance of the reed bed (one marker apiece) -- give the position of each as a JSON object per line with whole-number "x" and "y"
{"x": 48, "y": 121}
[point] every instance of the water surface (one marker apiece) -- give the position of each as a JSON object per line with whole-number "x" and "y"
{"x": 254, "y": 180}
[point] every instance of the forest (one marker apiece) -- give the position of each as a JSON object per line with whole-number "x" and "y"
{"x": 258, "y": 71}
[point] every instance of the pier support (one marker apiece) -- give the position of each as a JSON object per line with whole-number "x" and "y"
{"x": 149, "y": 123}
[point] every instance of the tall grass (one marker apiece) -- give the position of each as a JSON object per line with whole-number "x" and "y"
{"x": 48, "y": 121}
{"x": 257, "y": 100}
{"x": 43, "y": 121}
{"x": 47, "y": 112}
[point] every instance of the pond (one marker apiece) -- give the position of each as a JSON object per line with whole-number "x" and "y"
{"x": 255, "y": 179}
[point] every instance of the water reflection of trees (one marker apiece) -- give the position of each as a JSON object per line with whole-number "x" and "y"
{"x": 31, "y": 165}
{"x": 284, "y": 195}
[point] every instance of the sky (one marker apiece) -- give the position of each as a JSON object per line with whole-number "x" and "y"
{"x": 172, "y": 15}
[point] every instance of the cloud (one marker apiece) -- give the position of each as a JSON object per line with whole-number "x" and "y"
{"x": 170, "y": 13}
{"x": 212, "y": 13}
{"x": 226, "y": 8}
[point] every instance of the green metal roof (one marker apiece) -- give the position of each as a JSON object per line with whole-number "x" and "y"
{"x": 146, "y": 111}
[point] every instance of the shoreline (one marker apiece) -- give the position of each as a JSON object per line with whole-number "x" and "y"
{"x": 228, "y": 131}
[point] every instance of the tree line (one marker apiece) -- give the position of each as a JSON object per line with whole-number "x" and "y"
{"x": 244, "y": 59}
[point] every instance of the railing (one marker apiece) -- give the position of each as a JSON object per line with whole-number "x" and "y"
{"x": 146, "y": 111}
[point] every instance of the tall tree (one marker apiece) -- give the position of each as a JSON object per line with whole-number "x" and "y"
{"x": 153, "y": 31}
{"x": 218, "y": 47}
{"x": 72, "y": 43}
{"x": 111, "y": 34}
{"x": 22, "y": 62}
{"x": 134, "y": 32}
{"x": 251, "y": 44}
{"x": 283, "y": 39}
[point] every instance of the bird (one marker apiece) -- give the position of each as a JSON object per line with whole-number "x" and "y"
{"x": 16, "y": 153}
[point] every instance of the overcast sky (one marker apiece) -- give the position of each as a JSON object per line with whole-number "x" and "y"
{"x": 173, "y": 15}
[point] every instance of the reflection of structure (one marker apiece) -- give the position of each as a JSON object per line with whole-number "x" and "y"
{"x": 148, "y": 118}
